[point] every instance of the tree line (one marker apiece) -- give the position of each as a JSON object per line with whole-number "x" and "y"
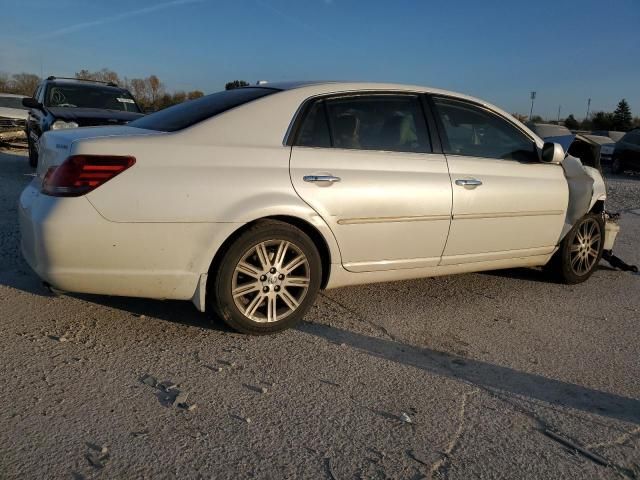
{"x": 620, "y": 120}
{"x": 149, "y": 92}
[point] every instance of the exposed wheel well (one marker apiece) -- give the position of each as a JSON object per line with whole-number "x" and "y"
{"x": 313, "y": 233}
{"x": 598, "y": 207}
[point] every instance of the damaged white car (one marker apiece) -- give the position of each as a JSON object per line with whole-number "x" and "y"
{"x": 249, "y": 201}
{"x": 13, "y": 116}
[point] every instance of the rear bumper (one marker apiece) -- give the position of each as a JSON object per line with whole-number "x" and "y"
{"x": 72, "y": 247}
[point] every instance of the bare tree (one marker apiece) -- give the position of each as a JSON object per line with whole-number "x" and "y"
{"x": 194, "y": 94}
{"x": 4, "y": 82}
{"x": 138, "y": 87}
{"x": 179, "y": 97}
{"x": 155, "y": 89}
{"x": 24, "y": 83}
{"x": 84, "y": 75}
{"x": 104, "y": 75}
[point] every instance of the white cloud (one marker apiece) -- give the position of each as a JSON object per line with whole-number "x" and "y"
{"x": 114, "y": 18}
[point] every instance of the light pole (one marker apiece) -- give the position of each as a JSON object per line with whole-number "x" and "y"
{"x": 588, "y": 107}
{"x": 559, "y": 107}
{"x": 533, "y": 97}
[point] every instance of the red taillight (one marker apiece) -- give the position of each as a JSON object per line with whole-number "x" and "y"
{"x": 79, "y": 174}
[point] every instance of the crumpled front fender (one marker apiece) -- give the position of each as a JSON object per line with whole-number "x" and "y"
{"x": 586, "y": 187}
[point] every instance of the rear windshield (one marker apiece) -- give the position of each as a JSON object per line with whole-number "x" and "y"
{"x": 90, "y": 96}
{"x": 12, "y": 102}
{"x": 191, "y": 112}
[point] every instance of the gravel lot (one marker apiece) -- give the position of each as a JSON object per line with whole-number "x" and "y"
{"x": 493, "y": 375}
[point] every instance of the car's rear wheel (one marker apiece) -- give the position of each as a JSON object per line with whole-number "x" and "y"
{"x": 33, "y": 154}
{"x": 267, "y": 280}
{"x": 580, "y": 251}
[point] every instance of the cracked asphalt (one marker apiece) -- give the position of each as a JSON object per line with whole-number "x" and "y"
{"x": 491, "y": 375}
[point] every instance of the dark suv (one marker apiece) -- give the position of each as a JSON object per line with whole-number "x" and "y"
{"x": 69, "y": 103}
{"x": 626, "y": 155}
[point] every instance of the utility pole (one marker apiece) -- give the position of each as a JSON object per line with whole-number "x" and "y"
{"x": 559, "y": 107}
{"x": 588, "y": 107}
{"x": 533, "y": 97}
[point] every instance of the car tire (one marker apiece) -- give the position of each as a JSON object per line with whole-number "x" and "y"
{"x": 616, "y": 166}
{"x": 267, "y": 279}
{"x": 33, "y": 154}
{"x": 580, "y": 251}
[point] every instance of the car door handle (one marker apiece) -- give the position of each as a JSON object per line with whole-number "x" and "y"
{"x": 321, "y": 178}
{"x": 468, "y": 182}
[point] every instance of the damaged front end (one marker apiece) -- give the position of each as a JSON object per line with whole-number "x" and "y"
{"x": 587, "y": 191}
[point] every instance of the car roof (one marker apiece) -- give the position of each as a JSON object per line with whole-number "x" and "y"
{"x": 76, "y": 81}
{"x": 342, "y": 85}
{"x": 327, "y": 87}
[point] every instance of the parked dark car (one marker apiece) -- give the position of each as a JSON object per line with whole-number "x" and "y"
{"x": 587, "y": 148}
{"x": 70, "y": 103}
{"x": 612, "y": 134}
{"x": 626, "y": 155}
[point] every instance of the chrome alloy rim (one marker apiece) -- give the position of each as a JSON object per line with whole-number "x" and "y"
{"x": 270, "y": 281}
{"x": 585, "y": 247}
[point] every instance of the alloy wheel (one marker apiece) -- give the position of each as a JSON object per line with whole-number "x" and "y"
{"x": 270, "y": 281}
{"x": 585, "y": 247}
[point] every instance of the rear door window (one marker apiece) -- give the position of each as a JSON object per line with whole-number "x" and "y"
{"x": 314, "y": 131}
{"x": 378, "y": 122}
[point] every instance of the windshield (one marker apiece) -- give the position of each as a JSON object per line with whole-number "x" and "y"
{"x": 191, "y": 112}
{"x": 90, "y": 96}
{"x": 12, "y": 102}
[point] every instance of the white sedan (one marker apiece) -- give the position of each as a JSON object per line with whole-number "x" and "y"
{"x": 249, "y": 201}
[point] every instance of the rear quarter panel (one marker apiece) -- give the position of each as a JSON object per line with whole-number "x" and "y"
{"x": 233, "y": 168}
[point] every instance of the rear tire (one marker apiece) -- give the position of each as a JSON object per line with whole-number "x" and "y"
{"x": 33, "y": 154}
{"x": 616, "y": 166}
{"x": 267, "y": 279}
{"x": 580, "y": 251}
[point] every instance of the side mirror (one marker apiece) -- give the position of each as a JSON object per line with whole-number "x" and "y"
{"x": 31, "y": 102}
{"x": 552, "y": 153}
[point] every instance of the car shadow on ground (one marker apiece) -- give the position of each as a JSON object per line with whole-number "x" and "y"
{"x": 496, "y": 378}
{"x": 534, "y": 274}
{"x": 23, "y": 279}
{"x": 174, "y": 311}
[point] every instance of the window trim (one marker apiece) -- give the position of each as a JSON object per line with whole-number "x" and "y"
{"x": 445, "y": 139}
{"x": 295, "y": 127}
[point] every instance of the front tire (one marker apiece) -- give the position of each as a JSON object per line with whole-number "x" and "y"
{"x": 267, "y": 279}
{"x": 580, "y": 251}
{"x": 33, "y": 154}
{"x": 616, "y": 166}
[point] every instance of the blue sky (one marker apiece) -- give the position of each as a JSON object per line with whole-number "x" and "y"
{"x": 498, "y": 50}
